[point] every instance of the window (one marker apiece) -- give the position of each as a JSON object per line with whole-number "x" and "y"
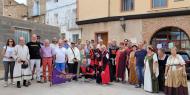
{"x": 171, "y": 34}
{"x": 178, "y": 0}
{"x": 36, "y": 8}
{"x": 63, "y": 35}
{"x": 159, "y": 3}
{"x": 127, "y": 5}
{"x": 19, "y": 32}
{"x": 56, "y": 0}
{"x": 56, "y": 18}
{"x": 75, "y": 37}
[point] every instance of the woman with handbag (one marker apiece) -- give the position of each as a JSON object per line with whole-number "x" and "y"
{"x": 8, "y": 60}
{"x": 73, "y": 55}
{"x": 175, "y": 75}
{"x": 22, "y": 71}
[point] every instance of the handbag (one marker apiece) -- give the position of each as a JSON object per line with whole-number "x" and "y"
{"x": 24, "y": 65}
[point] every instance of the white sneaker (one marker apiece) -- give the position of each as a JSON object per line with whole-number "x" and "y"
{"x": 12, "y": 83}
{"x": 6, "y": 84}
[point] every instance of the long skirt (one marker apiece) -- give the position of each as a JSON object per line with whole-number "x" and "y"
{"x": 20, "y": 74}
{"x": 132, "y": 74}
{"x": 112, "y": 69}
{"x": 176, "y": 83}
{"x": 106, "y": 75}
{"x": 120, "y": 70}
{"x": 150, "y": 80}
{"x": 161, "y": 78}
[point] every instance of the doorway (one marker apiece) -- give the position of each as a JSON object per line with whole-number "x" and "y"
{"x": 103, "y": 36}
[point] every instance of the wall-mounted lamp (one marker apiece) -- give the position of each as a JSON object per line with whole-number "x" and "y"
{"x": 123, "y": 24}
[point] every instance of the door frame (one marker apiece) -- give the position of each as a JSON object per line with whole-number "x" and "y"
{"x": 101, "y": 32}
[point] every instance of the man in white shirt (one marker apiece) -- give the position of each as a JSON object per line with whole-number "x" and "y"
{"x": 73, "y": 58}
{"x": 60, "y": 57}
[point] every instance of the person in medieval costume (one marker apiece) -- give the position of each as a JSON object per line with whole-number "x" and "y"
{"x": 132, "y": 66}
{"x": 22, "y": 71}
{"x": 105, "y": 66}
{"x": 151, "y": 71}
{"x": 98, "y": 65}
{"x": 104, "y": 72}
{"x": 175, "y": 75}
{"x": 162, "y": 59}
{"x": 121, "y": 58}
{"x": 112, "y": 55}
{"x": 95, "y": 56}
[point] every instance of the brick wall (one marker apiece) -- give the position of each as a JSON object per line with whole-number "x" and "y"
{"x": 151, "y": 26}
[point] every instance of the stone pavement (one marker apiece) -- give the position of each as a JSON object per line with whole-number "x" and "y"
{"x": 74, "y": 88}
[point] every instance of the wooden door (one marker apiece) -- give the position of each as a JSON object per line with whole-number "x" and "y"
{"x": 103, "y": 36}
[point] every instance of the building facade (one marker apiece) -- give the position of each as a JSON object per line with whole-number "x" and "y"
{"x": 154, "y": 21}
{"x": 15, "y": 28}
{"x": 14, "y": 10}
{"x": 62, "y": 13}
{"x": 36, "y": 10}
{"x": 1, "y": 7}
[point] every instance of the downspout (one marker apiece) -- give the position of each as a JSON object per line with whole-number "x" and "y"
{"x": 109, "y": 6}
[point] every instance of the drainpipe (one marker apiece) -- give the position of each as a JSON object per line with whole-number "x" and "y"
{"x": 81, "y": 32}
{"x": 109, "y": 6}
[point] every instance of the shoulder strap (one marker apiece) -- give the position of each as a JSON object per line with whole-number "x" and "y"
{"x": 5, "y": 50}
{"x": 73, "y": 52}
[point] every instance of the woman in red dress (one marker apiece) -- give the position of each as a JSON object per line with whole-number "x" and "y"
{"x": 103, "y": 73}
{"x": 105, "y": 66}
{"x": 121, "y": 58}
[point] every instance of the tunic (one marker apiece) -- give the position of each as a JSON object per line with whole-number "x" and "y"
{"x": 121, "y": 58}
{"x": 161, "y": 78}
{"x": 132, "y": 74}
{"x": 21, "y": 53}
{"x": 151, "y": 79}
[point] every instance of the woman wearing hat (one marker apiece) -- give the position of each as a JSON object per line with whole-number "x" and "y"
{"x": 151, "y": 71}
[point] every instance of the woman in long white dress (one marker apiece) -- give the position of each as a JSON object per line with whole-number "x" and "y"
{"x": 175, "y": 75}
{"x": 151, "y": 71}
{"x": 21, "y": 72}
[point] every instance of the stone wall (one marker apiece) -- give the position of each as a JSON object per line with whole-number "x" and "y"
{"x": 14, "y": 10}
{"x": 136, "y": 30}
{"x": 114, "y": 30}
{"x": 7, "y": 29}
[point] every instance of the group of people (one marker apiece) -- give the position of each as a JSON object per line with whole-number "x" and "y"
{"x": 140, "y": 65}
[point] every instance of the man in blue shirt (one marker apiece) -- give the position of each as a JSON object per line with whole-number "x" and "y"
{"x": 139, "y": 58}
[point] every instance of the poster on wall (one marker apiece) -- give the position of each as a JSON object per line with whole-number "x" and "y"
{"x": 170, "y": 45}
